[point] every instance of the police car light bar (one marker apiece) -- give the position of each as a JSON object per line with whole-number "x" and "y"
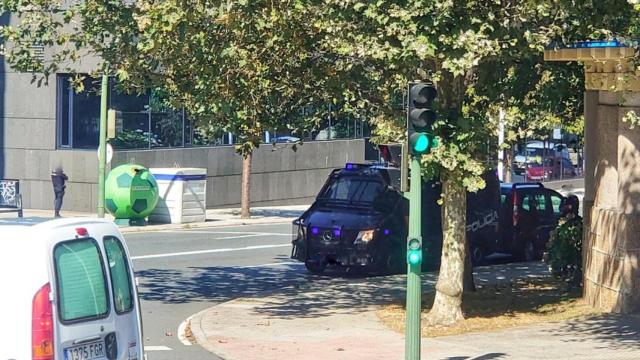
{"x": 354, "y": 166}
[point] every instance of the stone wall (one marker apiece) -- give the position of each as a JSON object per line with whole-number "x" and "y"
{"x": 612, "y": 203}
{"x": 280, "y": 175}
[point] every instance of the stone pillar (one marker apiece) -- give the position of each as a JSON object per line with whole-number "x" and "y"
{"x": 611, "y": 247}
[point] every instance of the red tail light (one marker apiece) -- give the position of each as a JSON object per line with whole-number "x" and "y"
{"x": 42, "y": 325}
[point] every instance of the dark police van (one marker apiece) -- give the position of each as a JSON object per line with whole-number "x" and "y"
{"x": 359, "y": 220}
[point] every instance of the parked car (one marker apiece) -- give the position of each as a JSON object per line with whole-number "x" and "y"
{"x": 528, "y": 213}
{"x": 551, "y": 169}
{"x": 535, "y": 152}
{"x": 68, "y": 292}
{"x": 359, "y": 220}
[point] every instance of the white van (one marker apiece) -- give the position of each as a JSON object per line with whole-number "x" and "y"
{"x": 67, "y": 292}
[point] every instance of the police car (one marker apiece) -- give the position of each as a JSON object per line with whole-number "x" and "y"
{"x": 360, "y": 220}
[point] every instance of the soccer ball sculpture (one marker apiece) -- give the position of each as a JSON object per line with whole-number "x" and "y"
{"x": 131, "y": 192}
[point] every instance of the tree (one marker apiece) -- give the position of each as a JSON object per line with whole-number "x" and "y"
{"x": 245, "y": 66}
{"x": 482, "y": 55}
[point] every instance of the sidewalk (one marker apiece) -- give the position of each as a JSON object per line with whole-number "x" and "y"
{"x": 215, "y": 217}
{"x": 336, "y": 319}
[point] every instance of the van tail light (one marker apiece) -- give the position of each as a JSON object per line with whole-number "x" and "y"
{"x": 42, "y": 325}
{"x": 515, "y": 208}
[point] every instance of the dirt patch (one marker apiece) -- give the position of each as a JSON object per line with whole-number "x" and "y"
{"x": 495, "y": 307}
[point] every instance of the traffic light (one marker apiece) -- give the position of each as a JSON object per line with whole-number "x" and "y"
{"x": 414, "y": 251}
{"x": 420, "y": 118}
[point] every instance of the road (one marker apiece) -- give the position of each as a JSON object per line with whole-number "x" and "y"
{"x": 182, "y": 272}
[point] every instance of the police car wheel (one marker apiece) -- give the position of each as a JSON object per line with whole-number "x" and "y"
{"x": 315, "y": 267}
{"x": 391, "y": 264}
{"x": 477, "y": 256}
{"x": 529, "y": 251}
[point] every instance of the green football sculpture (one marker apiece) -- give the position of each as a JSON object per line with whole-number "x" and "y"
{"x": 131, "y": 193}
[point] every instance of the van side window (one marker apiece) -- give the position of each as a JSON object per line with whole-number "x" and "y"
{"x": 120, "y": 276}
{"x": 81, "y": 283}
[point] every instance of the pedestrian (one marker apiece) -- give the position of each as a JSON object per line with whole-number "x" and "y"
{"x": 58, "y": 178}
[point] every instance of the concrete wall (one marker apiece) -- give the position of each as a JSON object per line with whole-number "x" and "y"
{"x": 612, "y": 203}
{"x": 280, "y": 175}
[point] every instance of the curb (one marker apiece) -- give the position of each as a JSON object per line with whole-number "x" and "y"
{"x": 211, "y": 224}
{"x": 201, "y": 338}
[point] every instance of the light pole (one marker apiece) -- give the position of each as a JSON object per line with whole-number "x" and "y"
{"x": 102, "y": 149}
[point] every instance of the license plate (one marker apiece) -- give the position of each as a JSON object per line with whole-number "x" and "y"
{"x": 89, "y": 351}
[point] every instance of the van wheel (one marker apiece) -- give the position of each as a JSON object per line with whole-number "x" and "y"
{"x": 316, "y": 267}
{"x": 391, "y": 265}
{"x": 477, "y": 256}
{"x": 529, "y": 251}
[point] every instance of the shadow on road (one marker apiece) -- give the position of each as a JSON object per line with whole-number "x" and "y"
{"x": 289, "y": 291}
{"x": 612, "y": 331}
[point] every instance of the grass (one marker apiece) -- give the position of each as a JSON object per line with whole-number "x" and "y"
{"x": 500, "y": 306}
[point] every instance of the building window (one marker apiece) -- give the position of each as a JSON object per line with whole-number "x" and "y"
{"x": 78, "y": 115}
{"x": 145, "y": 121}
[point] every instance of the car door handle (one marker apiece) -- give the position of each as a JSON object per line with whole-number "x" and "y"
{"x": 86, "y": 340}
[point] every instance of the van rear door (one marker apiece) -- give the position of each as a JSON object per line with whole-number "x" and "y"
{"x": 125, "y": 297}
{"x": 85, "y": 328}
{"x": 96, "y": 300}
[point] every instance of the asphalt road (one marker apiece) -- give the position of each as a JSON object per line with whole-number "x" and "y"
{"x": 182, "y": 272}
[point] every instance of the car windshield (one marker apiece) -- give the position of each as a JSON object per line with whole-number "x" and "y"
{"x": 352, "y": 189}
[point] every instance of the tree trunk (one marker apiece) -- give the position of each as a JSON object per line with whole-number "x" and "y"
{"x": 447, "y": 306}
{"x": 508, "y": 158}
{"x": 245, "y": 202}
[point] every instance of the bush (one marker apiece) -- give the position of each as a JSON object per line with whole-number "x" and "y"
{"x": 564, "y": 255}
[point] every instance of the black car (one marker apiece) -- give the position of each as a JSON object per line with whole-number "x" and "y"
{"x": 360, "y": 220}
{"x": 528, "y": 213}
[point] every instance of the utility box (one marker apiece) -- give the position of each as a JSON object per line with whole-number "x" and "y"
{"x": 183, "y": 195}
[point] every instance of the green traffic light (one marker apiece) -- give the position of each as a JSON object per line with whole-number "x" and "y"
{"x": 414, "y": 257}
{"x": 422, "y": 143}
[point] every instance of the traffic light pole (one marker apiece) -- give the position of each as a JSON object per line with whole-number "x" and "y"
{"x": 414, "y": 292}
{"x": 102, "y": 149}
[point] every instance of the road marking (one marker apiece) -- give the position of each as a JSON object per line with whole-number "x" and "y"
{"x": 199, "y": 252}
{"x": 276, "y": 222}
{"x": 282, "y": 263}
{"x": 157, "y": 348}
{"x": 227, "y": 232}
{"x": 182, "y": 336}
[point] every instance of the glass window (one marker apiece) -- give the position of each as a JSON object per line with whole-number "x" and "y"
{"x": 556, "y": 203}
{"x": 353, "y": 189}
{"x": 120, "y": 276}
{"x": 166, "y": 129}
{"x": 534, "y": 202}
{"x": 78, "y": 113}
{"x": 82, "y": 292}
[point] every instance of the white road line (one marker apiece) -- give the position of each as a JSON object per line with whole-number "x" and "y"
{"x": 226, "y": 232}
{"x": 186, "y": 253}
{"x": 182, "y": 336}
{"x": 282, "y": 263}
{"x": 157, "y": 348}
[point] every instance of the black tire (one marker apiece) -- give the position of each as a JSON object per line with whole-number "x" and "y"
{"x": 528, "y": 251}
{"x": 315, "y": 267}
{"x": 477, "y": 256}
{"x": 390, "y": 264}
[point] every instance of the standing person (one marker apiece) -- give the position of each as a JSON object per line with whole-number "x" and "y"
{"x": 58, "y": 178}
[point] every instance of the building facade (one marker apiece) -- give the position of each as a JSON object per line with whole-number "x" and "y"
{"x": 51, "y": 124}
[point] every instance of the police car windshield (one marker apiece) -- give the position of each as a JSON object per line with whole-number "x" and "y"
{"x": 352, "y": 189}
